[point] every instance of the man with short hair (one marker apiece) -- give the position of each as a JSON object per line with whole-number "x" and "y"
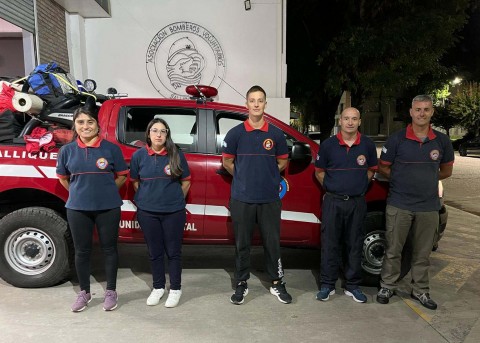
{"x": 344, "y": 167}
{"x": 255, "y": 153}
{"x": 414, "y": 159}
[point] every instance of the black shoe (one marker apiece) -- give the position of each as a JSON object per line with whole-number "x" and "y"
{"x": 278, "y": 289}
{"x": 241, "y": 292}
{"x": 425, "y": 300}
{"x": 384, "y": 295}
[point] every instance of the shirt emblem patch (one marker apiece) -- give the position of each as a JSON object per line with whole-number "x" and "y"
{"x": 434, "y": 154}
{"x": 167, "y": 170}
{"x": 268, "y": 144}
{"x": 384, "y": 150}
{"x": 361, "y": 159}
{"x": 101, "y": 163}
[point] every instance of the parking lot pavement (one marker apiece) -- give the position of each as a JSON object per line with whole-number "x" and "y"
{"x": 206, "y": 315}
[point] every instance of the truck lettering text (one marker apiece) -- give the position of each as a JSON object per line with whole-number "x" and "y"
{"x": 129, "y": 224}
{"x": 189, "y": 227}
{"x": 23, "y": 154}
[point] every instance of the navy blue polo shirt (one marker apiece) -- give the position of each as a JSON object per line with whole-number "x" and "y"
{"x": 414, "y": 168}
{"x": 157, "y": 190}
{"x": 256, "y": 176}
{"x": 92, "y": 171}
{"x": 346, "y": 167}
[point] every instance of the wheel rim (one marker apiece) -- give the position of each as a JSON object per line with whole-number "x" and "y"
{"x": 29, "y": 251}
{"x": 374, "y": 246}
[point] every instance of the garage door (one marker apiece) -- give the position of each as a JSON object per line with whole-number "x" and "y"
{"x": 19, "y": 12}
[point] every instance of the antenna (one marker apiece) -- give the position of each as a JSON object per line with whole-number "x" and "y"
{"x": 243, "y": 96}
{"x": 199, "y": 91}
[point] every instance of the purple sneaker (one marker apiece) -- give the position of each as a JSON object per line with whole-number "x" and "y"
{"x": 83, "y": 298}
{"x": 110, "y": 300}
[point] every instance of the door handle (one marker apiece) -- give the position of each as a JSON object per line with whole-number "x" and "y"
{"x": 223, "y": 172}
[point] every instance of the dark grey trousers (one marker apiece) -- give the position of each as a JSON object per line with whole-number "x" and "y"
{"x": 398, "y": 225}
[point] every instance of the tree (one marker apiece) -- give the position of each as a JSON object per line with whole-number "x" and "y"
{"x": 379, "y": 47}
{"x": 444, "y": 117}
{"x": 466, "y": 104}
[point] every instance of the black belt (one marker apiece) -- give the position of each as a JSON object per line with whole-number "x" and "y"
{"x": 344, "y": 197}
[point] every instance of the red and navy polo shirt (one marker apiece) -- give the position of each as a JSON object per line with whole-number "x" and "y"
{"x": 414, "y": 168}
{"x": 346, "y": 167}
{"x": 91, "y": 170}
{"x": 157, "y": 190}
{"x": 256, "y": 176}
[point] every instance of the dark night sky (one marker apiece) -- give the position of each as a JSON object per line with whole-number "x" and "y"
{"x": 466, "y": 53}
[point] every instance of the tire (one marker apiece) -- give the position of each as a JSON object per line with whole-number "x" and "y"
{"x": 374, "y": 247}
{"x": 35, "y": 248}
{"x": 462, "y": 150}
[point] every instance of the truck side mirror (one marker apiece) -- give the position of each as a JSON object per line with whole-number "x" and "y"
{"x": 300, "y": 151}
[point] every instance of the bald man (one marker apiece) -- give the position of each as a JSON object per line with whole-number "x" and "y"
{"x": 344, "y": 166}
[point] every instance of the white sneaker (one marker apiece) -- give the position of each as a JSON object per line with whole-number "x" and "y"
{"x": 173, "y": 298}
{"x": 155, "y": 296}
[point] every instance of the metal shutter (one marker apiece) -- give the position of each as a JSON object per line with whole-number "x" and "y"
{"x": 19, "y": 13}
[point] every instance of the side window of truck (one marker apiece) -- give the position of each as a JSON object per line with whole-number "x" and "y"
{"x": 226, "y": 121}
{"x": 182, "y": 124}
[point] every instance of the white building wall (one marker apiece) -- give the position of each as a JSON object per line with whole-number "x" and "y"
{"x": 252, "y": 48}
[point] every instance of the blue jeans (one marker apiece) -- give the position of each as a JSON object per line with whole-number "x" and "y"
{"x": 163, "y": 234}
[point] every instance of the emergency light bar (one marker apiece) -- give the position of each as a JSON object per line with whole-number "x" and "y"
{"x": 201, "y": 91}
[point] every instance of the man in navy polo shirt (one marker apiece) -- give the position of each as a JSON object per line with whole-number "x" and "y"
{"x": 344, "y": 167}
{"x": 255, "y": 153}
{"x": 414, "y": 159}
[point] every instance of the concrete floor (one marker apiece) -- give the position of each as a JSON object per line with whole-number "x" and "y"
{"x": 206, "y": 315}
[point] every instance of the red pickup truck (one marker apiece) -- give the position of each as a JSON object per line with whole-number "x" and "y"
{"x": 35, "y": 244}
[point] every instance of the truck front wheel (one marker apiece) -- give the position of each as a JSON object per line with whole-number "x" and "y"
{"x": 35, "y": 246}
{"x": 374, "y": 247}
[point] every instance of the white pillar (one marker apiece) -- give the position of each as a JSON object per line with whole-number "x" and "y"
{"x": 77, "y": 57}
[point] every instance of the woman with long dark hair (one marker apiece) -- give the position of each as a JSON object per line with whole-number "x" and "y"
{"x": 161, "y": 178}
{"x": 92, "y": 170}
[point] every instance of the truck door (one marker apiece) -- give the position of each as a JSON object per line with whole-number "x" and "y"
{"x": 299, "y": 191}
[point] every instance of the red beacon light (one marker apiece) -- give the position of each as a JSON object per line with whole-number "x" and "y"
{"x": 201, "y": 92}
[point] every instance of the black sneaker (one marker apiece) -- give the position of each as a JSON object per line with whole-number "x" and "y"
{"x": 384, "y": 295}
{"x": 241, "y": 292}
{"x": 425, "y": 300}
{"x": 278, "y": 289}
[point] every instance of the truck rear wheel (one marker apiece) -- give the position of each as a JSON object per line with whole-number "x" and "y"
{"x": 374, "y": 247}
{"x": 35, "y": 246}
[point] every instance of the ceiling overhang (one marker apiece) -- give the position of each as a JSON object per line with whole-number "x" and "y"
{"x": 87, "y": 8}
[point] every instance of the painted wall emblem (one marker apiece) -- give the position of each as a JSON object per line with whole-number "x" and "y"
{"x": 183, "y": 54}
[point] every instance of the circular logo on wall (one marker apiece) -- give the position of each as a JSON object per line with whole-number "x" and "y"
{"x": 183, "y": 54}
